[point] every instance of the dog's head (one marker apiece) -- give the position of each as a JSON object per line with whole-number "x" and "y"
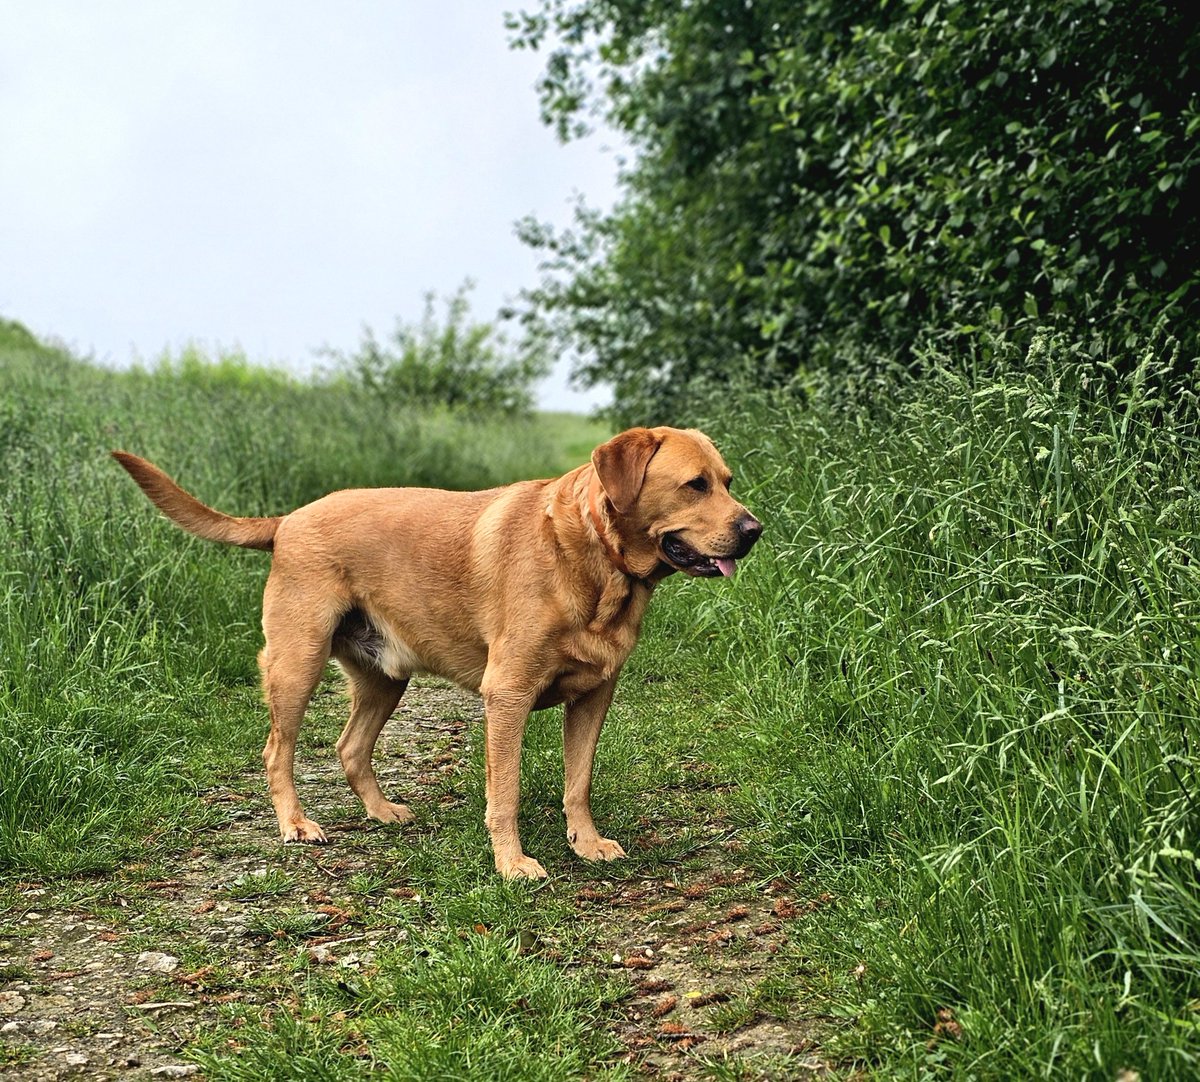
{"x": 669, "y": 488}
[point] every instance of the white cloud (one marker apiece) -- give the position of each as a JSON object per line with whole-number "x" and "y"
{"x": 271, "y": 174}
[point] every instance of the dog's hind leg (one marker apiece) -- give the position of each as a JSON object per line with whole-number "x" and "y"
{"x": 292, "y": 663}
{"x": 373, "y": 698}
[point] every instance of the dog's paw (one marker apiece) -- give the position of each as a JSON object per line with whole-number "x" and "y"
{"x": 303, "y": 832}
{"x": 598, "y": 849}
{"x": 522, "y": 868}
{"x": 387, "y": 812}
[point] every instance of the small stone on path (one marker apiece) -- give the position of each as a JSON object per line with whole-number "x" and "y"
{"x": 157, "y": 962}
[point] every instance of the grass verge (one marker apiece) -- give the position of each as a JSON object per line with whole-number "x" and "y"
{"x": 963, "y": 695}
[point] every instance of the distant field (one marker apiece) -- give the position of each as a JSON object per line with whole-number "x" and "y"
{"x": 950, "y": 700}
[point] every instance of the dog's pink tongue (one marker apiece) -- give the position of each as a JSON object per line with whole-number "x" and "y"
{"x": 726, "y": 565}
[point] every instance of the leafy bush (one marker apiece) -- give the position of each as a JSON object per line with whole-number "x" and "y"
{"x": 462, "y": 364}
{"x": 229, "y": 369}
{"x": 831, "y": 180}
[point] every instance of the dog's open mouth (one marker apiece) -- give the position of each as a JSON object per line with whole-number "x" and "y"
{"x": 683, "y": 557}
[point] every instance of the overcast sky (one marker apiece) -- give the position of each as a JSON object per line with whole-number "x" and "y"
{"x": 267, "y": 174}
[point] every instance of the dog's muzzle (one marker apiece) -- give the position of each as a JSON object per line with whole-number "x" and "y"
{"x": 680, "y": 555}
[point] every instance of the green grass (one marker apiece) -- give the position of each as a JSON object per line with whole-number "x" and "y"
{"x": 964, "y": 694}
{"x": 439, "y": 1006}
{"x": 955, "y": 687}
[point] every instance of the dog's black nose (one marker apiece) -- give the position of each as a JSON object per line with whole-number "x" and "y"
{"x": 749, "y": 528}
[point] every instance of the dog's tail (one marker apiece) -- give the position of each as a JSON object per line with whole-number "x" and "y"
{"x": 185, "y": 510}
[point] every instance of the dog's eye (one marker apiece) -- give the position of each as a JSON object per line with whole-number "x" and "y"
{"x": 700, "y": 484}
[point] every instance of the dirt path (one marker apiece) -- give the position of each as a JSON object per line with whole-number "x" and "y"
{"x": 117, "y": 983}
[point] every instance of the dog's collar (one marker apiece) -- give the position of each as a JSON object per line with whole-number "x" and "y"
{"x": 610, "y": 550}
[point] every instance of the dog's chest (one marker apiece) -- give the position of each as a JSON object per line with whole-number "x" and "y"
{"x": 578, "y": 677}
{"x": 594, "y": 653}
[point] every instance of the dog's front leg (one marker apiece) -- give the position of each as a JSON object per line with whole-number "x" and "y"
{"x": 505, "y": 709}
{"x": 581, "y": 731}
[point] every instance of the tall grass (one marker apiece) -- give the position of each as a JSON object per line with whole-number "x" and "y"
{"x": 124, "y": 649}
{"x": 955, "y": 686}
{"x": 966, "y": 664}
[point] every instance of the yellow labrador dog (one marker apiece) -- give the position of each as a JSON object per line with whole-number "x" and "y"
{"x": 531, "y": 595}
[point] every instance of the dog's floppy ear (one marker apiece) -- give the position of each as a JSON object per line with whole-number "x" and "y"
{"x": 621, "y": 465}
